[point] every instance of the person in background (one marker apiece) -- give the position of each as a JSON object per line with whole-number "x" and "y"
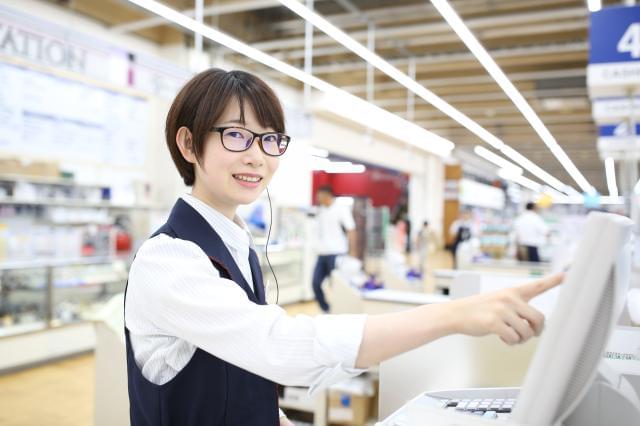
{"x": 336, "y": 236}
{"x": 460, "y": 230}
{"x": 426, "y": 240}
{"x": 203, "y": 346}
{"x": 531, "y": 232}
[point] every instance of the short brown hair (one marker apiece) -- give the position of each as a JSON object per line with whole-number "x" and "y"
{"x": 200, "y": 103}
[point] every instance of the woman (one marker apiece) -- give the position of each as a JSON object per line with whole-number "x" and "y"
{"x": 203, "y": 347}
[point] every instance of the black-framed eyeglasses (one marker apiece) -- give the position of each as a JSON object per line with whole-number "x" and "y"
{"x": 238, "y": 139}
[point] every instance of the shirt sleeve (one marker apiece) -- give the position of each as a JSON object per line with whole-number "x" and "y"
{"x": 346, "y": 219}
{"x": 543, "y": 228}
{"x": 453, "y": 228}
{"x": 184, "y": 296}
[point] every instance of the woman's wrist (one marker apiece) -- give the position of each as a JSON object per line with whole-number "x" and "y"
{"x": 442, "y": 319}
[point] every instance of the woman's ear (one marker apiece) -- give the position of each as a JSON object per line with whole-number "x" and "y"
{"x": 184, "y": 141}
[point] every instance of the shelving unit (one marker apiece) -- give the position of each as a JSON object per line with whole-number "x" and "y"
{"x": 54, "y": 203}
{"x": 295, "y": 398}
{"x": 288, "y": 266}
{"x": 51, "y": 284}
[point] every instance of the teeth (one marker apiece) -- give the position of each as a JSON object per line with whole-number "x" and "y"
{"x": 248, "y": 178}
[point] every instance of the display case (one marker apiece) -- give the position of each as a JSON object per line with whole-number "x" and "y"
{"x": 65, "y": 249}
{"x": 288, "y": 266}
{"x": 290, "y": 255}
{"x": 43, "y": 294}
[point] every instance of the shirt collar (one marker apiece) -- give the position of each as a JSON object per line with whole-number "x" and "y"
{"x": 234, "y": 233}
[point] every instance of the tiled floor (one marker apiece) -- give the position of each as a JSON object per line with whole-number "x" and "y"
{"x": 61, "y": 393}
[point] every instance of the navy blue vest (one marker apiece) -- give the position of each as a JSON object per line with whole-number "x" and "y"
{"x": 207, "y": 391}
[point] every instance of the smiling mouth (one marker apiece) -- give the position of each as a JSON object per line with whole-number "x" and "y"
{"x": 245, "y": 178}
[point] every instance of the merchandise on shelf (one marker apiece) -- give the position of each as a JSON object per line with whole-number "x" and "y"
{"x": 64, "y": 251}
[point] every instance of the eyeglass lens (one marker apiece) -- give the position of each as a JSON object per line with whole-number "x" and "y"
{"x": 237, "y": 139}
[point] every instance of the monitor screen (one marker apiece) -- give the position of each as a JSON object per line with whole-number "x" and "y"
{"x": 574, "y": 340}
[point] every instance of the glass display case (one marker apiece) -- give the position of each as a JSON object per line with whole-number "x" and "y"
{"x": 42, "y": 294}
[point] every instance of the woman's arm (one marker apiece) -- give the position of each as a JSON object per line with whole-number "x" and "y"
{"x": 505, "y": 313}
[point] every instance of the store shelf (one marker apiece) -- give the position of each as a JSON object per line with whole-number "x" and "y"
{"x": 78, "y": 204}
{"x": 300, "y": 405}
{"x": 59, "y": 262}
{"x": 36, "y": 346}
{"x": 44, "y": 180}
{"x": 17, "y": 329}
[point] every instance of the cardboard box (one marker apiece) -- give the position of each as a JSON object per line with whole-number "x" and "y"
{"x": 16, "y": 166}
{"x": 348, "y": 409}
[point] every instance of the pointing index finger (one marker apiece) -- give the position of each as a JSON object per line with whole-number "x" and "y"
{"x": 530, "y": 290}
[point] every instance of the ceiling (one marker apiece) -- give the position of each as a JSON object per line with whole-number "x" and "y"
{"x": 542, "y": 46}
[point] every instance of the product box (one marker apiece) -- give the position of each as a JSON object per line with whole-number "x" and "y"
{"x": 350, "y": 401}
{"x": 348, "y": 409}
{"x": 15, "y": 166}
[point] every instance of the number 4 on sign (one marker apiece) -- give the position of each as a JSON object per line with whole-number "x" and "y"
{"x": 630, "y": 41}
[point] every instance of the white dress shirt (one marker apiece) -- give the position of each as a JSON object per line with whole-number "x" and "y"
{"x": 530, "y": 229}
{"x": 177, "y": 302}
{"x": 331, "y": 221}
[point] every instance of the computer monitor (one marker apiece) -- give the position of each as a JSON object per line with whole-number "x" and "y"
{"x": 571, "y": 347}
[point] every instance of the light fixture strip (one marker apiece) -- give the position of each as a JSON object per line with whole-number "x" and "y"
{"x": 409, "y": 83}
{"x": 511, "y": 91}
{"x": 496, "y": 159}
{"x": 535, "y": 170}
{"x": 610, "y": 172}
{"x": 435, "y": 144}
{"x": 508, "y": 174}
{"x": 594, "y": 5}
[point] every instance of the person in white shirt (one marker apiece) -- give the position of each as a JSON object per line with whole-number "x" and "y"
{"x": 336, "y": 236}
{"x": 531, "y": 232}
{"x": 203, "y": 346}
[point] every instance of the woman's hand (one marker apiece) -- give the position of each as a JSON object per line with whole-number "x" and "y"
{"x": 506, "y": 313}
{"x": 284, "y": 421}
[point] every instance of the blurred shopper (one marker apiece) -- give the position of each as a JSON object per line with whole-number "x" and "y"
{"x": 203, "y": 345}
{"x": 426, "y": 242}
{"x": 531, "y": 232}
{"x": 460, "y": 231}
{"x": 336, "y": 236}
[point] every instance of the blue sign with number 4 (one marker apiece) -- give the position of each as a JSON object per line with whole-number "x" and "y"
{"x": 615, "y": 35}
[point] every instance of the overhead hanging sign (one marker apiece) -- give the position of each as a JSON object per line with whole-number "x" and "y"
{"x": 620, "y": 130}
{"x": 616, "y": 141}
{"x": 614, "y": 55}
{"x": 614, "y": 110}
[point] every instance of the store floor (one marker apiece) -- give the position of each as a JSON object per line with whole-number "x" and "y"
{"x": 61, "y": 393}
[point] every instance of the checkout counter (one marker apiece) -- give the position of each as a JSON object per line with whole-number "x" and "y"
{"x": 470, "y": 361}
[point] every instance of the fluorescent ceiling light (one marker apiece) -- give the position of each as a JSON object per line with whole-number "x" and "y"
{"x": 345, "y": 201}
{"x": 579, "y": 199}
{"x": 409, "y": 83}
{"x": 350, "y": 169}
{"x": 349, "y": 106}
{"x": 318, "y": 152}
{"x": 328, "y": 166}
{"x": 509, "y": 174}
{"x": 516, "y": 97}
{"x": 610, "y": 171}
{"x": 427, "y": 141}
{"x": 594, "y": 5}
{"x": 496, "y": 159}
{"x": 611, "y": 200}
